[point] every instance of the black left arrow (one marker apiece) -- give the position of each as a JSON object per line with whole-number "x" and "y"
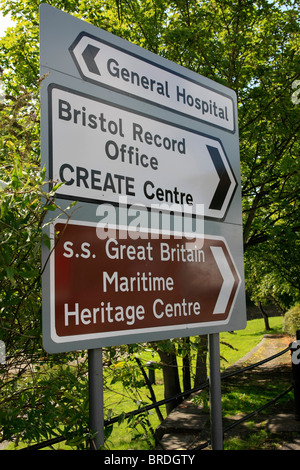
{"x": 224, "y": 183}
{"x": 89, "y": 55}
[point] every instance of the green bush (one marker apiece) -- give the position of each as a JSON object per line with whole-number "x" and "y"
{"x": 291, "y": 320}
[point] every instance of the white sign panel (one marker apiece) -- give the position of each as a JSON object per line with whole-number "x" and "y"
{"x": 103, "y": 64}
{"x": 103, "y": 153}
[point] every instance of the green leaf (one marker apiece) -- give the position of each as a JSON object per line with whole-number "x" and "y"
{"x": 10, "y": 274}
{"x": 51, "y": 207}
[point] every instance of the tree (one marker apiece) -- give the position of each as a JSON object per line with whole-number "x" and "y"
{"x": 272, "y": 274}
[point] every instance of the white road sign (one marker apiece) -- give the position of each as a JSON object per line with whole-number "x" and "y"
{"x": 102, "y": 152}
{"x": 104, "y": 64}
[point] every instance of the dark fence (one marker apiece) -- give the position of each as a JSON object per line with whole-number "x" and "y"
{"x": 295, "y": 355}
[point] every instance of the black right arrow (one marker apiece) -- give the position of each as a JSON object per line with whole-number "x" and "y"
{"x": 224, "y": 183}
{"x": 89, "y": 55}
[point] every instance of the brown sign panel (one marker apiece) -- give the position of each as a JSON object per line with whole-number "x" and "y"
{"x": 118, "y": 281}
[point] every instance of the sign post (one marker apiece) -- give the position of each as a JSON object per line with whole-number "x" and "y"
{"x": 215, "y": 392}
{"x": 96, "y": 398}
{"x": 150, "y": 152}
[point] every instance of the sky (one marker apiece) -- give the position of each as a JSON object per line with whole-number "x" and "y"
{"x": 5, "y": 22}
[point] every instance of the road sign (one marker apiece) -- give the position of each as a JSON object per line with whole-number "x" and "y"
{"x": 102, "y": 152}
{"x": 115, "y": 288}
{"x": 125, "y": 130}
{"x": 104, "y": 64}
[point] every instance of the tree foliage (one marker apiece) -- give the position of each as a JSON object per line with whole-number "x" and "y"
{"x": 291, "y": 321}
{"x": 27, "y": 394}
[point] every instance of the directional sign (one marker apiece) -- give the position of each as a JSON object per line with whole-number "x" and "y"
{"x": 111, "y": 287}
{"x": 125, "y": 131}
{"x": 103, "y": 153}
{"x": 104, "y": 64}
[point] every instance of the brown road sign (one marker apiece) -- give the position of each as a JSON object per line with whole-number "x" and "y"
{"x": 112, "y": 284}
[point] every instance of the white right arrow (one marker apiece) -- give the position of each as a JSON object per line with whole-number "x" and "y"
{"x": 228, "y": 279}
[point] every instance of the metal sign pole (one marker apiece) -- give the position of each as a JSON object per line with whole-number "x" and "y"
{"x": 96, "y": 397}
{"x": 215, "y": 392}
